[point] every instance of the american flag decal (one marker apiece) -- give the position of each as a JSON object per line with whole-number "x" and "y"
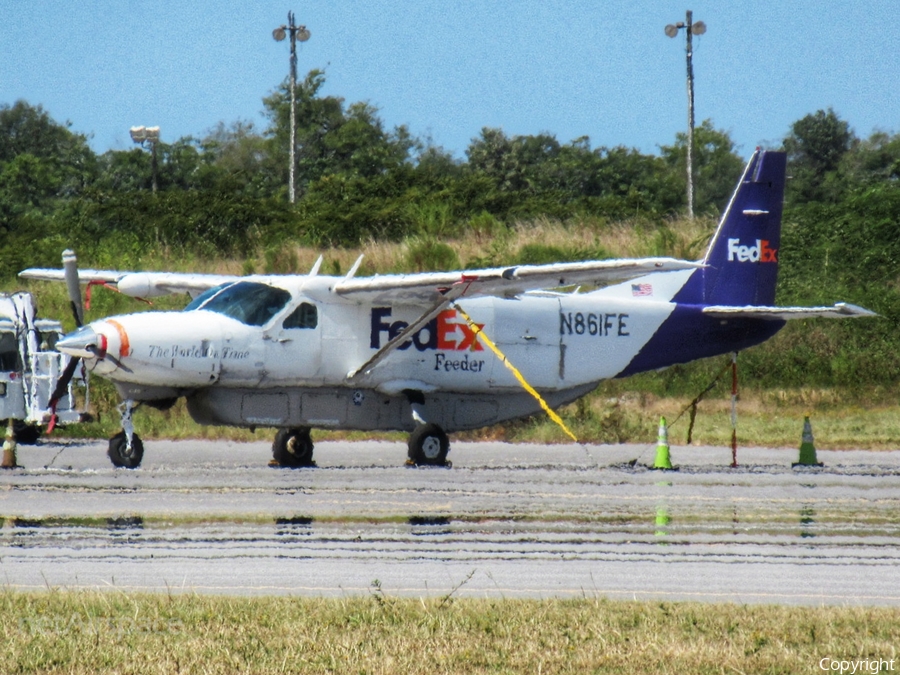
{"x": 638, "y": 290}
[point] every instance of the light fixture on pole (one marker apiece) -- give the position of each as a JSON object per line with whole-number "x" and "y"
{"x": 297, "y": 33}
{"x": 691, "y": 29}
{"x": 141, "y": 135}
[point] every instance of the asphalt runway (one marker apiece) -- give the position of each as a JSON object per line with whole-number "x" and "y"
{"x": 505, "y": 521}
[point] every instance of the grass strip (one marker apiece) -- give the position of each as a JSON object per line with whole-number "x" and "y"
{"x": 76, "y": 632}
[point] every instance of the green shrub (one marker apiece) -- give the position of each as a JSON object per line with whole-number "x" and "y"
{"x": 427, "y": 254}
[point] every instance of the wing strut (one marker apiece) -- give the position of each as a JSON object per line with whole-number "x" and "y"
{"x": 500, "y": 355}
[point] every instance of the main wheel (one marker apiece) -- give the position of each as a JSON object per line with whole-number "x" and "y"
{"x": 293, "y": 448}
{"x": 122, "y": 455}
{"x": 429, "y": 445}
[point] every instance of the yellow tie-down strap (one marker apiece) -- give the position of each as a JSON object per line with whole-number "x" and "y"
{"x": 527, "y": 387}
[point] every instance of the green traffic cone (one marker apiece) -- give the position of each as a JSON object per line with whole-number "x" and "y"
{"x": 662, "y": 447}
{"x": 807, "y": 448}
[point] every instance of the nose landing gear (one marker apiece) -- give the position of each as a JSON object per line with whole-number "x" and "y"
{"x": 126, "y": 448}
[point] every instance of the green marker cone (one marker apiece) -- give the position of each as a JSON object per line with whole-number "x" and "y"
{"x": 807, "y": 448}
{"x": 663, "y": 460}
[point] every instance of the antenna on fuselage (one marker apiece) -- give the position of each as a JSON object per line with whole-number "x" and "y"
{"x": 355, "y": 267}
{"x": 315, "y": 268}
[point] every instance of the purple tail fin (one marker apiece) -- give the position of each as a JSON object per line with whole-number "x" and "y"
{"x": 742, "y": 259}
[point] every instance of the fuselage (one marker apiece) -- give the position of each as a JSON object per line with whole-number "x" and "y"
{"x": 295, "y": 332}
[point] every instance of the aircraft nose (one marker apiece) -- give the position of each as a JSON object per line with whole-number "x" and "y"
{"x": 85, "y": 343}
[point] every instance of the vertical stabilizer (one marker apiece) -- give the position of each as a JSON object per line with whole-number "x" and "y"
{"x": 742, "y": 259}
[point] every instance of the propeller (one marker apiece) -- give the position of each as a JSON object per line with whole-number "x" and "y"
{"x": 70, "y": 268}
{"x": 73, "y": 286}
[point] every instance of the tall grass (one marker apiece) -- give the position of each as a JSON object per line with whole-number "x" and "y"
{"x": 87, "y": 632}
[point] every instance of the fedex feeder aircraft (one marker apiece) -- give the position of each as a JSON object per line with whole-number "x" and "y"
{"x": 430, "y": 353}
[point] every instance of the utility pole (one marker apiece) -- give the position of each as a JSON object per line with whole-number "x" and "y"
{"x": 296, "y": 33}
{"x": 691, "y": 29}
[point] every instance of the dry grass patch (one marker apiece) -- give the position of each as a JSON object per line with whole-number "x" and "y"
{"x": 80, "y": 632}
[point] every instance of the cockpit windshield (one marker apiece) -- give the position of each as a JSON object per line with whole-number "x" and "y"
{"x": 249, "y": 302}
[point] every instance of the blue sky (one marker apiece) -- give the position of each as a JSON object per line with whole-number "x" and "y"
{"x": 447, "y": 68}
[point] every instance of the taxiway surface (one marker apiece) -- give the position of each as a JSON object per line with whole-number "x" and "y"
{"x": 504, "y": 521}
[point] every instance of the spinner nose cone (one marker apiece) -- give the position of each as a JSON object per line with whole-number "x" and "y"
{"x": 85, "y": 343}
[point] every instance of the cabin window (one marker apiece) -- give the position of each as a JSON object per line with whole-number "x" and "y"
{"x": 249, "y": 302}
{"x": 305, "y": 316}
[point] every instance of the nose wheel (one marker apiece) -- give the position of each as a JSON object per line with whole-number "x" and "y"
{"x": 125, "y": 448}
{"x": 428, "y": 446}
{"x": 124, "y": 454}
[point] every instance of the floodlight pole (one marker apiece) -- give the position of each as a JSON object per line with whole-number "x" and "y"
{"x": 690, "y": 138}
{"x": 153, "y": 165}
{"x": 296, "y": 33}
{"x": 292, "y": 188}
{"x": 141, "y": 135}
{"x": 691, "y": 29}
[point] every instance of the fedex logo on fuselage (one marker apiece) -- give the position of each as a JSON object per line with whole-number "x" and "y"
{"x": 446, "y": 331}
{"x": 762, "y": 252}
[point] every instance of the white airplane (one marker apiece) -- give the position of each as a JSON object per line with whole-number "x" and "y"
{"x": 431, "y": 353}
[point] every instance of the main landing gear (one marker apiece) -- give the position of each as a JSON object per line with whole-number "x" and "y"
{"x": 125, "y": 448}
{"x": 293, "y": 448}
{"x": 428, "y": 446}
{"x": 428, "y": 443}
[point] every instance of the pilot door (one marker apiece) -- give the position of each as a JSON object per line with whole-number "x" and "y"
{"x": 294, "y": 348}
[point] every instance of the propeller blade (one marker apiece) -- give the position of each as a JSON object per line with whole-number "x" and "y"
{"x": 70, "y": 266}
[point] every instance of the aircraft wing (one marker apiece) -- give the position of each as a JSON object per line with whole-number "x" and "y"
{"x": 841, "y": 310}
{"x": 137, "y": 284}
{"x": 430, "y": 287}
{"x": 424, "y": 288}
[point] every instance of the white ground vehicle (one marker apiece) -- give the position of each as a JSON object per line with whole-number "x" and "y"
{"x": 30, "y": 368}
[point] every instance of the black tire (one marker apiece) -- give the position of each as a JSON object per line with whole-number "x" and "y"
{"x": 293, "y": 448}
{"x": 26, "y": 434}
{"x": 121, "y": 456}
{"x": 429, "y": 445}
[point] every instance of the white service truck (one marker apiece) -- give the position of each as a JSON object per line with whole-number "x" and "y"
{"x": 30, "y": 368}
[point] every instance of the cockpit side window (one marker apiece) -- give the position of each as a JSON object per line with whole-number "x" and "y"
{"x": 305, "y": 316}
{"x": 249, "y": 302}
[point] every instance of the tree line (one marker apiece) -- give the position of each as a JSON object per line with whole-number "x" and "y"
{"x": 225, "y": 195}
{"x": 357, "y": 180}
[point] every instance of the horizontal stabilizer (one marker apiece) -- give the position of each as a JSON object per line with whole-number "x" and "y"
{"x": 841, "y": 310}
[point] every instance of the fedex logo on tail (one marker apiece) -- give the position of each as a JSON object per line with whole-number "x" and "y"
{"x": 762, "y": 252}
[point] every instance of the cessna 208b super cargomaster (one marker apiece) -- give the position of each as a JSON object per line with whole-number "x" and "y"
{"x": 416, "y": 352}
